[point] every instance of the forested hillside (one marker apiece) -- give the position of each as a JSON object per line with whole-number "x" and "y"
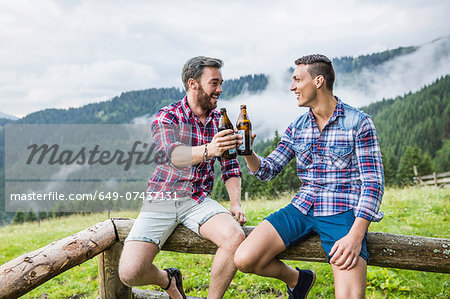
{"x": 348, "y": 64}
{"x": 120, "y": 109}
{"x": 132, "y": 104}
{"x": 414, "y": 129}
{"x": 415, "y": 124}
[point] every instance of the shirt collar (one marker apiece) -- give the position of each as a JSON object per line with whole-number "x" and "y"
{"x": 185, "y": 107}
{"x": 338, "y": 110}
{"x": 187, "y": 110}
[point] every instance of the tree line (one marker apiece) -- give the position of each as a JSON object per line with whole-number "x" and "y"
{"x": 414, "y": 129}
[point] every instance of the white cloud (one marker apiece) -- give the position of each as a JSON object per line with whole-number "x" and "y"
{"x": 407, "y": 73}
{"x": 74, "y": 85}
{"x": 69, "y": 53}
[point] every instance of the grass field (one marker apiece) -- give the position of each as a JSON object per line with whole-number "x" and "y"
{"x": 410, "y": 211}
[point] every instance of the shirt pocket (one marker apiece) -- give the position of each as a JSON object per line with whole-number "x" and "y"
{"x": 341, "y": 156}
{"x": 303, "y": 153}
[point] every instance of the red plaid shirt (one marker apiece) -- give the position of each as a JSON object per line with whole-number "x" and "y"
{"x": 176, "y": 125}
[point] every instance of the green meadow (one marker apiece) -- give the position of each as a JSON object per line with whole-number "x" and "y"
{"x": 408, "y": 211}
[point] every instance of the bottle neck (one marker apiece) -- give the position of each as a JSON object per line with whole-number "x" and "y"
{"x": 244, "y": 112}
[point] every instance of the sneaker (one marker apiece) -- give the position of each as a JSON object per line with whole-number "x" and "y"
{"x": 306, "y": 280}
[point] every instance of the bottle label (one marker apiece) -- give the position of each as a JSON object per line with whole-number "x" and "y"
{"x": 242, "y": 146}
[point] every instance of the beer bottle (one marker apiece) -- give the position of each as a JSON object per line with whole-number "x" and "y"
{"x": 244, "y": 127}
{"x": 224, "y": 124}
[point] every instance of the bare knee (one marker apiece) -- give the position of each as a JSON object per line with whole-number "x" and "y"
{"x": 133, "y": 274}
{"x": 136, "y": 262}
{"x": 244, "y": 261}
{"x": 351, "y": 283}
{"x": 353, "y": 293}
{"x": 232, "y": 240}
{"x": 128, "y": 274}
{"x": 236, "y": 240}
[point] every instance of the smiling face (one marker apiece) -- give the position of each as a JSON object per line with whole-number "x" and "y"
{"x": 304, "y": 86}
{"x": 209, "y": 88}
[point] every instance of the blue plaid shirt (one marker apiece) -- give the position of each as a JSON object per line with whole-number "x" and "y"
{"x": 341, "y": 167}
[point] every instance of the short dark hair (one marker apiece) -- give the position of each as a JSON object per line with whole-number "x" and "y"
{"x": 193, "y": 68}
{"x": 318, "y": 64}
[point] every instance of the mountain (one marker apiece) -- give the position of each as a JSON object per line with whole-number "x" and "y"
{"x": 421, "y": 120}
{"x": 134, "y": 104}
{"x": 351, "y": 74}
{"x": 417, "y": 118}
{"x": 348, "y": 64}
{"x": 367, "y": 79}
{"x": 7, "y": 116}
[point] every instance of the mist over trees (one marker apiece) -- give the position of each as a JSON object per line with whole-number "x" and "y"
{"x": 414, "y": 129}
{"x": 418, "y": 122}
{"x": 348, "y": 64}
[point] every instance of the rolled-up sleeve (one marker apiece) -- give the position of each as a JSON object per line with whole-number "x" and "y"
{"x": 370, "y": 164}
{"x": 230, "y": 168}
{"x": 271, "y": 166}
{"x": 166, "y": 132}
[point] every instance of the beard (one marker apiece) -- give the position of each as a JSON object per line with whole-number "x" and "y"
{"x": 205, "y": 100}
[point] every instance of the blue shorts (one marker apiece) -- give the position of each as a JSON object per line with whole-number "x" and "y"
{"x": 293, "y": 226}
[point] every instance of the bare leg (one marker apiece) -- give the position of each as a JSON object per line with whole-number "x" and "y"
{"x": 226, "y": 233}
{"x": 257, "y": 255}
{"x": 350, "y": 283}
{"x": 136, "y": 267}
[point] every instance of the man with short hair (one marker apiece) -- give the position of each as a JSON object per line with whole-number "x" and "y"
{"x": 339, "y": 162}
{"x": 187, "y": 133}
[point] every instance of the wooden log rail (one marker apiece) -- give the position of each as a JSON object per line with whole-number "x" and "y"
{"x": 435, "y": 179}
{"x": 26, "y": 272}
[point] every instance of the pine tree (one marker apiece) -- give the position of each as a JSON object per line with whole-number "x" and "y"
{"x": 42, "y": 215}
{"x": 390, "y": 169}
{"x": 442, "y": 160}
{"x": 219, "y": 191}
{"x": 413, "y": 156}
{"x": 19, "y": 217}
{"x": 30, "y": 216}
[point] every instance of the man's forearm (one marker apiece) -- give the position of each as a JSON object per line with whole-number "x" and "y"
{"x": 253, "y": 162}
{"x": 359, "y": 228}
{"x": 233, "y": 186}
{"x": 184, "y": 156}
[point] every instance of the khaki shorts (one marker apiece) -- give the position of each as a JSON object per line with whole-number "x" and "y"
{"x": 159, "y": 218}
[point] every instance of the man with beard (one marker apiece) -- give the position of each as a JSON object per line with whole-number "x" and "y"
{"x": 187, "y": 133}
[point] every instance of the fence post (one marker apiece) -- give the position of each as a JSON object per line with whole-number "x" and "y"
{"x": 110, "y": 286}
{"x": 26, "y": 272}
{"x": 416, "y": 176}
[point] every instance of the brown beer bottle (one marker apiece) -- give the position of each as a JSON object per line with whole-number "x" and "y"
{"x": 244, "y": 127}
{"x": 224, "y": 124}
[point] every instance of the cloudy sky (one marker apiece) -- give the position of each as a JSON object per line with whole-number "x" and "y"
{"x": 59, "y": 54}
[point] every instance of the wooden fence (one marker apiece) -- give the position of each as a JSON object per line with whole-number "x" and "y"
{"x": 26, "y": 272}
{"x": 435, "y": 179}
